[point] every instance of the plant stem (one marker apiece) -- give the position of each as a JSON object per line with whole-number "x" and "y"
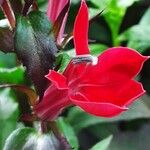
{"x": 26, "y": 7}
{"x": 35, "y": 5}
{"x": 58, "y": 134}
{"x": 115, "y": 40}
{"x": 6, "y": 8}
{"x": 44, "y": 127}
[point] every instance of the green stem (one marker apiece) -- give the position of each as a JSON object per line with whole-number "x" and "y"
{"x": 115, "y": 39}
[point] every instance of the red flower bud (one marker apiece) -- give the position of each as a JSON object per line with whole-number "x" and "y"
{"x": 55, "y": 8}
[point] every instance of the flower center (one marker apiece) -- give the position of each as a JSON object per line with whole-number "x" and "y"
{"x": 85, "y": 58}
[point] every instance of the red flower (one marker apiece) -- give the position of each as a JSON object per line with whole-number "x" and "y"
{"x": 55, "y": 7}
{"x": 102, "y": 86}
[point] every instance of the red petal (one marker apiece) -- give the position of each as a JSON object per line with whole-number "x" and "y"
{"x": 57, "y": 79}
{"x": 55, "y": 97}
{"x": 53, "y": 102}
{"x": 115, "y": 65}
{"x": 54, "y": 8}
{"x": 117, "y": 94}
{"x": 75, "y": 71}
{"x": 81, "y": 30}
{"x": 99, "y": 109}
{"x": 62, "y": 29}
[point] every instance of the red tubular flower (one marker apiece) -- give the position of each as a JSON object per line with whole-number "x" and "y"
{"x": 103, "y": 87}
{"x": 54, "y": 9}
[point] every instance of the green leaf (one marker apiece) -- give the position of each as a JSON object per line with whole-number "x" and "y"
{"x": 75, "y": 2}
{"x": 7, "y": 60}
{"x": 97, "y": 49}
{"x": 146, "y": 18}
{"x": 103, "y": 130}
{"x": 12, "y": 76}
{"x": 113, "y": 14}
{"x": 71, "y": 53}
{"x": 79, "y": 119}
{"x": 18, "y": 138}
{"x": 103, "y": 145}
{"x": 42, "y": 5}
{"x": 62, "y": 61}
{"x": 35, "y": 47}
{"x": 126, "y": 3}
{"x": 8, "y": 114}
{"x": 69, "y": 133}
{"x": 28, "y": 138}
{"x": 138, "y": 36}
{"x": 64, "y": 58}
{"x": 40, "y": 23}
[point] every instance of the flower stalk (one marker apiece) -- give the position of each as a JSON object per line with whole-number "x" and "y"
{"x": 7, "y": 9}
{"x": 59, "y": 135}
{"x": 43, "y": 127}
{"x": 27, "y": 5}
{"x": 35, "y": 5}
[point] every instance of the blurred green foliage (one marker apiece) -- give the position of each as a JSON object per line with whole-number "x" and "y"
{"x": 8, "y": 114}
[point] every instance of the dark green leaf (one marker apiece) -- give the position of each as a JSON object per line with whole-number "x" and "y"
{"x": 103, "y": 145}
{"x": 69, "y": 133}
{"x": 35, "y": 47}
{"x": 103, "y": 130}
{"x": 41, "y": 25}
